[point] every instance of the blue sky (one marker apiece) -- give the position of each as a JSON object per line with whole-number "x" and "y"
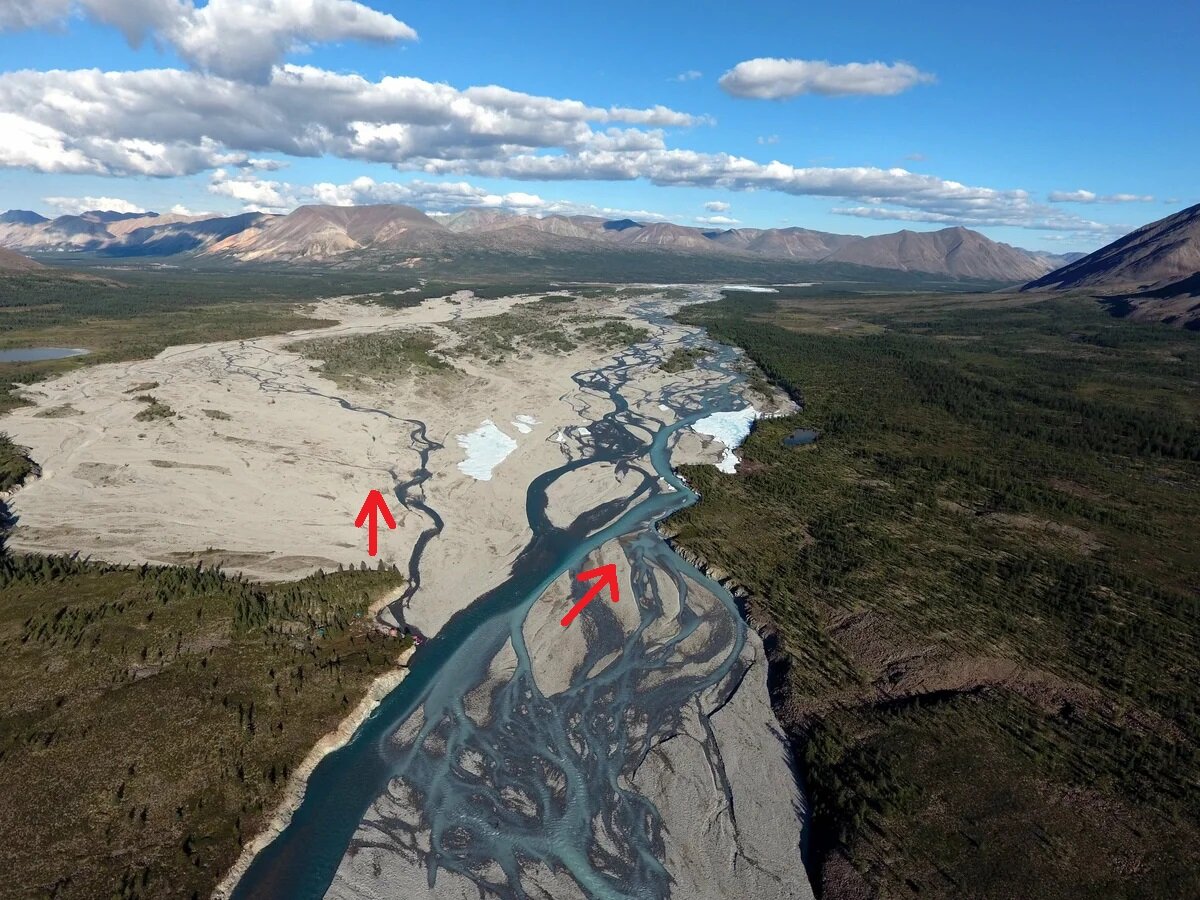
{"x": 1052, "y": 126}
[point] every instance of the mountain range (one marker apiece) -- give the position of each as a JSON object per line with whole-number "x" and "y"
{"x": 1152, "y": 273}
{"x": 347, "y": 234}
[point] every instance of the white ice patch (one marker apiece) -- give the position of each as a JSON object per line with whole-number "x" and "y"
{"x": 559, "y": 437}
{"x": 664, "y": 407}
{"x": 524, "y": 424}
{"x": 583, "y": 432}
{"x": 749, "y": 288}
{"x": 487, "y": 446}
{"x": 730, "y": 428}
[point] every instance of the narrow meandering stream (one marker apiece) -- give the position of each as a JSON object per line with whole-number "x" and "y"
{"x": 568, "y": 759}
{"x": 409, "y": 492}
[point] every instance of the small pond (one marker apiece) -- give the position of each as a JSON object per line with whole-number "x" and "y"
{"x": 36, "y": 354}
{"x": 800, "y": 437}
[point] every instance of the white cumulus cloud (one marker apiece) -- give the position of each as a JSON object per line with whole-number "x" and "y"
{"x": 723, "y": 221}
{"x": 717, "y": 206}
{"x": 170, "y": 122}
{"x": 265, "y": 165}
{"x": 236, "y": 38}
{"x": 264, "y": 195}
{"x": 73, "y": 206}
{"x": 1082, "y": 196}
{"x": 918, "y": 197}
{"x": 768, "y": 78}
{"x": 30, "y": 144}
{"x": 17, "y": 15}
{"x": 435, "y": 197}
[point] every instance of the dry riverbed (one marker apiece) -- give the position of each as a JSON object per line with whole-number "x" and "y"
{"x": 257, "y": 466}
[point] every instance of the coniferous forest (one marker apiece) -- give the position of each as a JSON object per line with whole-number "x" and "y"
{"x": 980, "y": 587}
{"x": 152, "y": 715}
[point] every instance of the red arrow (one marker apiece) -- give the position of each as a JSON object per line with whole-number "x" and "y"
{"x": 607, "y": 575}
{"x": 374, "y": 506}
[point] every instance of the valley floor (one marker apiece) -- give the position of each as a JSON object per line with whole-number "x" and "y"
{"x": 224, "y": 454}
{"x": 257, "y": 450}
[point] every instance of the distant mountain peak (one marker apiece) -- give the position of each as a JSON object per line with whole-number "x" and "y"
{"x": 955, "y": 251}
{"x": 1150, "y": 257}
{"x": 1156, "y": 268}
{"x": 22, "y": 217}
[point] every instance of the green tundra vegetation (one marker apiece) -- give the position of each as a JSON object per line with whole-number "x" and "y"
{"x": 427, "y": 289}
{"x": 154, "y": 409}
{"x": 15, "y": 467}
{"x": 382, "y": 356}
{"x": 152, "y": 716}
{"x": 553, "y": 324}
{"x": 681, "y": 359}
{"x": 64, "y": 411}
{"x": 980, "y": 586}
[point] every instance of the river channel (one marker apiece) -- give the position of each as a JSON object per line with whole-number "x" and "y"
{"x": 538, "y": 781}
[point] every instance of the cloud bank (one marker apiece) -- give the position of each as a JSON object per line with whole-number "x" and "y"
{"x": 165, "y": 122}
{"x": 18, "y": 15}
{"x": 239, "y": 106}
{"x": 73, "y": 206}
{"x": 1082, "y": 196}
{"x": 768, "y": 78}
{"x": 264, "y": 195}
{"x": 235, "y": 38}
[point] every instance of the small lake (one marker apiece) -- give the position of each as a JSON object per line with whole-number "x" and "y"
{"x": 35, "y": 354}
{"x": 800, "y": 437}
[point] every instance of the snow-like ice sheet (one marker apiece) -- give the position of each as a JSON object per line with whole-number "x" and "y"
{"x": 487, "y": 446}
{"x": 730, "y": 428}
{"x": 749, "y": 288}
{"x": 524, "y": 424}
